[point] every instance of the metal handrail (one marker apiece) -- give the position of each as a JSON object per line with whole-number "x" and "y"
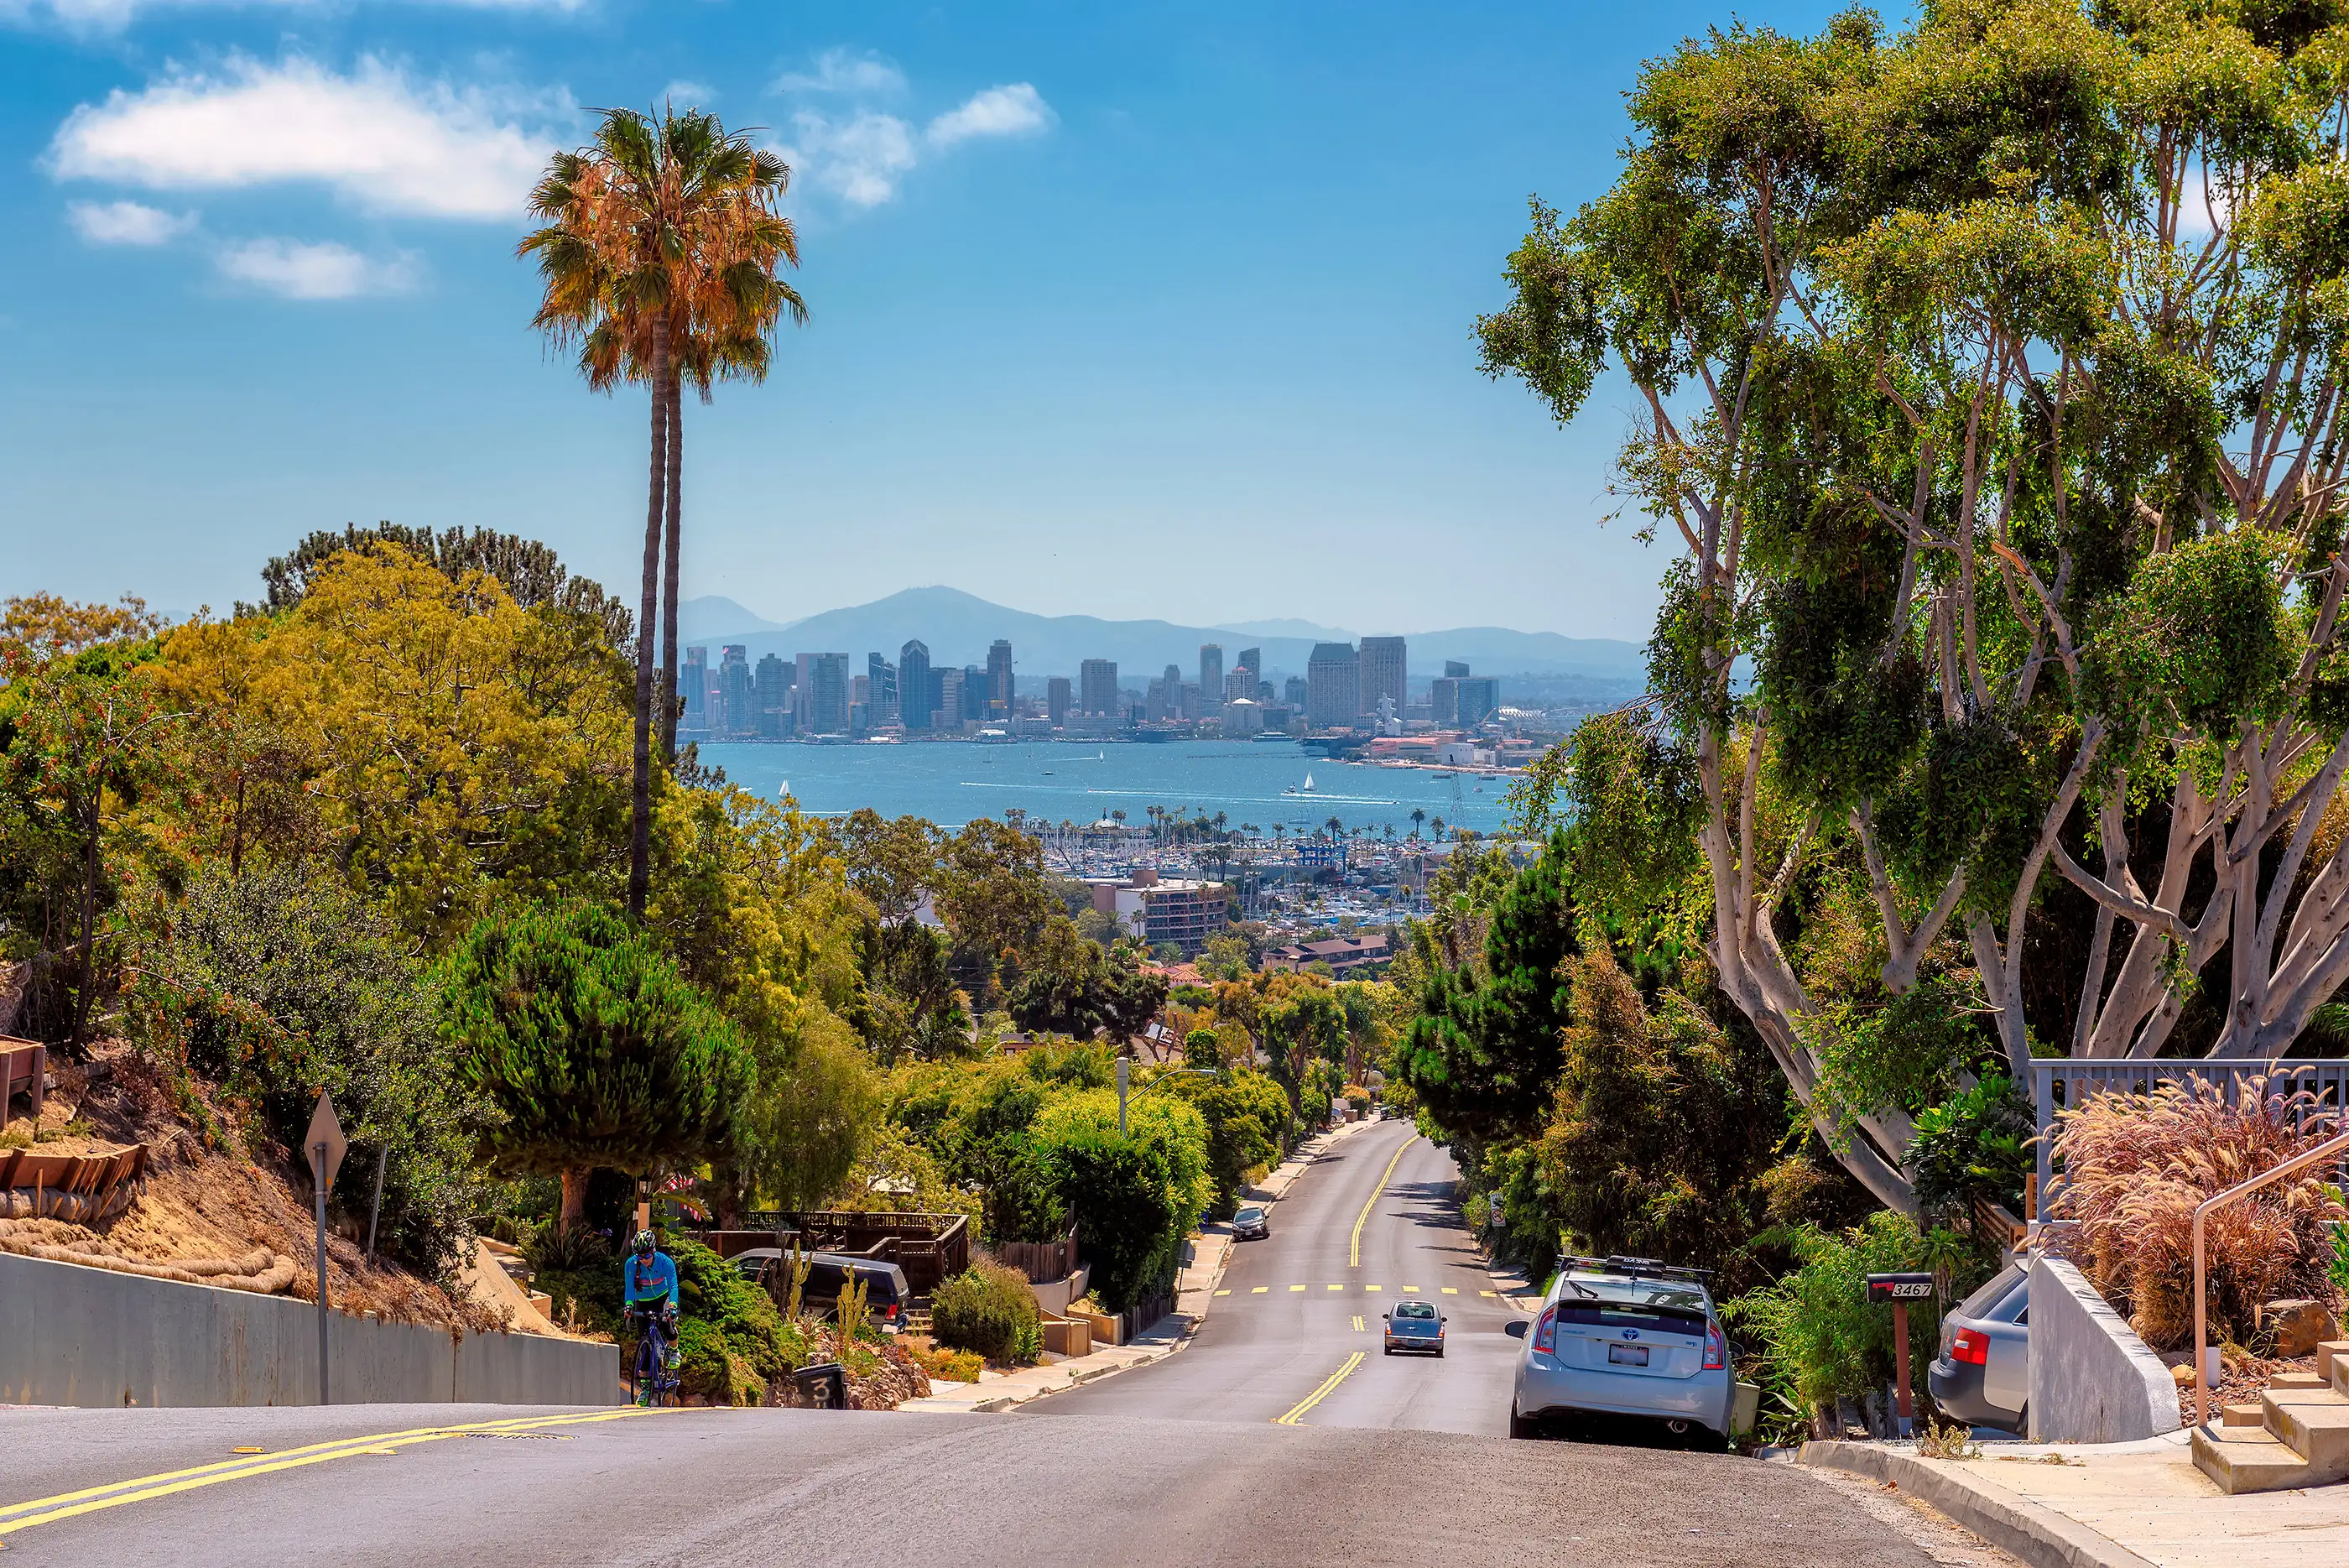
{"x": 2335, "y": 1145}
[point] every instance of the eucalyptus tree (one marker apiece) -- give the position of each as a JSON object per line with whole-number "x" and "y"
{"x": 1988, "y": 381}
{"x": 658, "y": 252}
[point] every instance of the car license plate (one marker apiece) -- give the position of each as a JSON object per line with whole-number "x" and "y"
{"x": 1628, "y": 1354}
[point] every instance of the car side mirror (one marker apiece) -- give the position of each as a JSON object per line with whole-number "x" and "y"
{"x": 1444, "y": 1319}
{"x": 1515, "y": 1328}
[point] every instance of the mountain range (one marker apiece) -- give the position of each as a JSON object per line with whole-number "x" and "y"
{"x": 957, "y": 627}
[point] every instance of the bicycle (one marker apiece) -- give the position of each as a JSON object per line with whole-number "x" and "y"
{"x": 650, "y": 1379}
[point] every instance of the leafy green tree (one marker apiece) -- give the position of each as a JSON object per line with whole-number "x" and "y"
{"x": 1135, "y": 1196}
{"x": 1070, "y": 986}
{"x": 991, "y": 893}
{"x": 1483, "y": 1055}
{"x": 589, "y": 1047}
{"x": 1248, "y": 1121}
{"x": 913, "y": 1007}
{"x": 1986, "y": 373}
{"x": 1303, "y": 1029}
{"x": 809, "y": 1116}
{"x": 256, "y": 991}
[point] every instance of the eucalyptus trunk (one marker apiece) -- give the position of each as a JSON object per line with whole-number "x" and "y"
{"x": 640, "y": 805}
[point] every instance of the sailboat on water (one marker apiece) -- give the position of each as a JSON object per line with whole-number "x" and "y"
{"x": 1305, "y": 788}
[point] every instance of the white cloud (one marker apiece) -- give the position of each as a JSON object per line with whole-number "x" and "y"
{"x": 690, "y": 94}
{"x": 842, "y": 72}
{"x": 126, "y": 223}
{"x": 858, "y": 158}
{"x": 112, "y": 15}
{"x": 299, "y": 270}
{"x": 379, "y": 138}
{"x": 1018, "y": 109}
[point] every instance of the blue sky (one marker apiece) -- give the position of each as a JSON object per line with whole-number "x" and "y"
{"x": 1126, "y": 310}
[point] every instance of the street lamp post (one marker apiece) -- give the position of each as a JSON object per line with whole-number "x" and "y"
{"x": 1123, "y": 1062}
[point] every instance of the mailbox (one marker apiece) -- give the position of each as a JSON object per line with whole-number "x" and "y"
{"x": 1899, "y": 1287}
{"x": 825, "y": 1385}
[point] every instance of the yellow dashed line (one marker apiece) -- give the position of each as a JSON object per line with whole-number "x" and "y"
{"x": 1483, "y": 1292}
{"x": 1452, "y": 1290}
{"x": 1297, "y": 1287}
{"x": 1223, "y": 1292}
{"x": 1358, "y": 1322}
{"x": 1411, "y": 1287}
{"x": 1260, "y": 1290}
{"x": 1336, "y": 1287}
{"x": 1374, "y": 1287}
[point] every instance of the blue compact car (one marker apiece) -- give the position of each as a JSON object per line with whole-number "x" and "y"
{"x": 1415, "y": 1326}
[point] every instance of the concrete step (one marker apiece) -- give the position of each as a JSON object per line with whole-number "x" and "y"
{"x": 2243, "y": 1416}
{"x": 2297, "y": 1380}
{"x": 2248, "y": 1458}
{"x": 2315, "y": 1424}
{"x": 2332, "y": 1364}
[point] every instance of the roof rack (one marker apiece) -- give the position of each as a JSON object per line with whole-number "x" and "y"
{"x": 1634, "y": 1268}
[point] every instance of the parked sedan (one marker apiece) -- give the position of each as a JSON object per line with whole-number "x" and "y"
{"x": 1982, "y": 1376}
{"x": 1626, "y": 1336}
{"x": 1415, "y": 1326}
{"x": 1251, "y": 1223}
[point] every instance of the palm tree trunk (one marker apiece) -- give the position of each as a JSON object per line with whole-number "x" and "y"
{"x": 672, "y": 699}
{"x": 640, "y": 804}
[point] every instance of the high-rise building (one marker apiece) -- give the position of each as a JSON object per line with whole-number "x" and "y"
{"x": 1480, "y": 699}
{"x": 828, "y": 703}
{"x": 1211, "y": 678}
{"x": 770, "y": 696}
{"x": 1382, "y": 672}
{"x": 1056, "y": 700}
{"x": 881, "y": 688}
{"x": 998, "y": 680}
{"x": 950, "y": 709}
{"x": 1454, "y": 669}
{"x": 1252, "y": 661}
{"x": 1292, "y": 692}
{"x": 694, "y": 687}
{"x": 917, "y": 693}
{"x": 1443, "y": 699}
{"x": 740, "y": 716}
{"x": 1240, "y": 684}
{"x": 1333, "y": 686}
{"x": 1097, "y": 686}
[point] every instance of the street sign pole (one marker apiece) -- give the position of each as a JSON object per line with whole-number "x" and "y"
{"x": 318, "y": 1175}
{"x": 328, "y": 1145}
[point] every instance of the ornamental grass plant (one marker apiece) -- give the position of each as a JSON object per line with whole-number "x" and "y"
{"x": 2136, "y": 1166}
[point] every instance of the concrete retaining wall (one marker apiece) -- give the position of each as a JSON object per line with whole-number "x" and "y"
{"x": 72, "y": 1335}
{"x": 2092, "y": 1378}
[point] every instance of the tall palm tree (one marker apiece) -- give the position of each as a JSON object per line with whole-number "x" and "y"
{"x": 660, "y": 243}
{"x": 1418, "y": 818}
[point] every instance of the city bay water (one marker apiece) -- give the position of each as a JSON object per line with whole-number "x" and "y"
{"x": 950, "y": 782}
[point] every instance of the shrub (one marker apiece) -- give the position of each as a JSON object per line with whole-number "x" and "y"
{"x": 947, "y": 1365}
{"x": 2135, "y": 1168}
{"x": 1821, "y": 1340}
{"x": 988, "y": 1309}
{"x": 1972, "y": 1146}
{"x": 278, "y": 982}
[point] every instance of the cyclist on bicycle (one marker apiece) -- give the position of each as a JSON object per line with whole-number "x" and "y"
{"x": 649, "y": 1289}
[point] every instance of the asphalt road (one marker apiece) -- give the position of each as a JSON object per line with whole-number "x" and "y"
{"x": 1299, "y": 1307}
{"x": 763, "y": 1487}
{"x": 1186, "y": 1462}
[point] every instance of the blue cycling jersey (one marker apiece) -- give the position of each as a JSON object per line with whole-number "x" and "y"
{"x": 647, "y": 1280}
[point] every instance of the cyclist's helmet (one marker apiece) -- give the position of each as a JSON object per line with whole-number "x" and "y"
{"x": 643, "y": 1244}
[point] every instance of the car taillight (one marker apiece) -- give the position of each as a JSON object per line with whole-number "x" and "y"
{"x": 1546, "y": 1331}
{"x": 1716, "y": 1349}
{"x": 1972, "y": 1347}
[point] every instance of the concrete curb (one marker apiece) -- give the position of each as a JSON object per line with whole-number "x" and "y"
{"x": 2039, "y": 1536}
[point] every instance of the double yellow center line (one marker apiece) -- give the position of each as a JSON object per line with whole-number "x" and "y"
{"x": 65, "y": 1505}
{"x": 1354, "y": 1259}
{"x": 1329, "y": 1385}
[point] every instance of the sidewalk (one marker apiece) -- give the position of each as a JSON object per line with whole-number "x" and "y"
{"x": 1205, "y": 1257}
{"x": 2123, "y": 1505}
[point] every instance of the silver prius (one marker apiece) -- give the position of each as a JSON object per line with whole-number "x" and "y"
{"x": 1626, "y": 1336}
